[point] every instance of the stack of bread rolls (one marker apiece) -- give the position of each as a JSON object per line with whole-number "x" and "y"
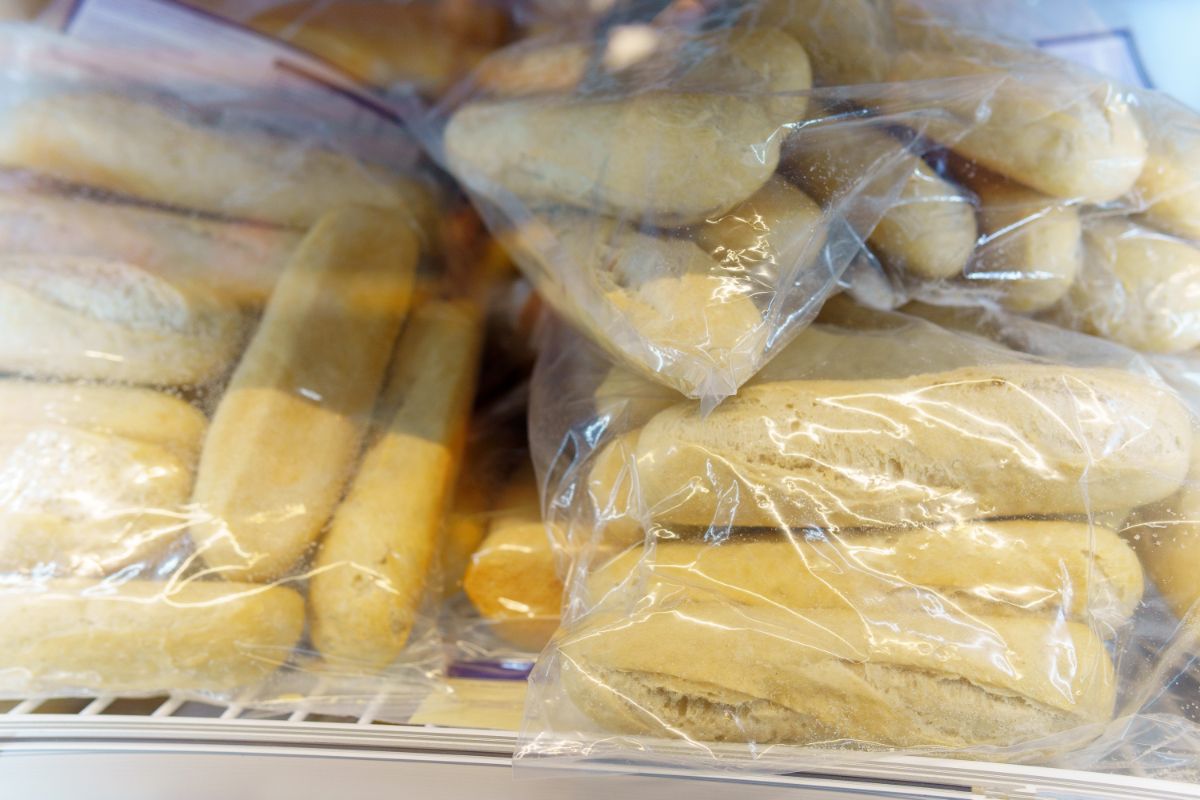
{"x": 228, "y": 433}
{"x": 896, "y": 534}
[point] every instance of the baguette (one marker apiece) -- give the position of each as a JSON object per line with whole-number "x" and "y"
{"x": 144, "y": 636}
{"x": 669, "y": 157}
{"x": 373, "y": 566}
{"x": 1032, "y": 247}
{"x": 780, "y": 231}
{"x": 927, "y": 230}
{"x": 1011, "y": 440}
{"x": 1139, "y": 287}
{"x": 83, "y": 318}
{"x": 1049, "y": 128}
{"x": 238, "y": 262}
{"x": 132, "y": 148}
{"x": 1047, "y": 568}
{"x": 288, "y": 429}
{"x": 717, "y": 672}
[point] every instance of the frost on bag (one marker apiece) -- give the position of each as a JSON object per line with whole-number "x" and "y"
{"x": 220, "y": 391}
{"x": 677, "y": 191}
{"x": 897, "y": 535}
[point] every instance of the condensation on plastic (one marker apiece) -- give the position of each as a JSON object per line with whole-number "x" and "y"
{"x": 224, "y": 445}
{"x": 901, "y": 536}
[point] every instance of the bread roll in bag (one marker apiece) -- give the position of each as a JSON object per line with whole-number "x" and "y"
{"x": 134, "y": 148}
{"x": 287, "y": 432}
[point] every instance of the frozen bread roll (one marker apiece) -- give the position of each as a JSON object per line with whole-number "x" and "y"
{"x": 133, "y": 148}
{"x": 1014, "y": 567}
{"x": 903, "y": 678}
{"x": 236, "y": 261}
{"x": 94, "y": 478}
{"x": 130, "y": 413}
{"x": 1007, "y": 440}
{"x": 513, "y": 581}
{"x": 660, "y": 303}
{"x": 1066, "y": 134}
{"x": 849, "y": 41}
{"x": 670, "y": 156}
{"x": 1031, "y": 249}
{"x": 1138, "y": 287}
{"x": 144, "y": 636}
{"x": 1169, "y": 185}
{"x": 919, "y": 222}
{"x": 288, "y": 429}
{"x": 86, "y": 318}
{"x": 373, "y": 565}
{"x": 778, "y": 232}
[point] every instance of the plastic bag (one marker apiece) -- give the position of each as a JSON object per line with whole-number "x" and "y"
{"x": 211, "y": 426}
{"x": 898, "y": 536}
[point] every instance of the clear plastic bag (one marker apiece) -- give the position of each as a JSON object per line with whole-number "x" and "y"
{"x": 679, "y": 187}
{"x": 899, "y": 536}
{"x": 226, "y": 380}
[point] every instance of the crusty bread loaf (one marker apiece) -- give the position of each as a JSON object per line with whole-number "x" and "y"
{"x": 133, "y": 148}
{"x": 1048, "y": 568}
{"x": 720, "y": 672}
{"x": 144, "y": 636}
{"x": 780, "y": 231}
{"x": 1008, "y": 440}
{"x": 289, "y": 427}
{"x": 926, "y": 224}
{"x": 236, "y": 261}
{"x": 669, "y": 157}
{"x": 1032, "y": 246}
{"x": 71, "y": 317}
{"x": 131, "y": 413}
{"x": 373, "y": 565}
{"x": 1138, "y": 287}
{"x": 849, "y": 41}
{"x": 1050, "y": 128}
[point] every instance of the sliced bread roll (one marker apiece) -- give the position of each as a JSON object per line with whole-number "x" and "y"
{"x": 901, "y": 678}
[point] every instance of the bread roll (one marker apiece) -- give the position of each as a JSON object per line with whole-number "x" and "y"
{"x": 132, "y": 148}
{"x": 779, "y": 232}
{"x": 386, "y": 43}
{"x": 1049, "y": 568}
{"x": 373, "y": 566}
{"x": 84, "y": 318}
{"x": 660, "y": 303}
{"x": 919, "y": 223}
{"x": 669, "y": 157}
{"x": 1031, "y": 249}
{"x": 902, "y": 678}
{"x": 237, "y": 262}
{"x": 1170, "y": 182}
{"x": 850, "y": 41}
{"x": 974, "y": 442}
{"x": 1048, "y": 127}
{"x": 1138, "y": 287}
{"x": 144, "y": 636}
{"x": 513, "y": 582}
{"x": 139, "y": 414}
{"x": 288, "y": 429}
